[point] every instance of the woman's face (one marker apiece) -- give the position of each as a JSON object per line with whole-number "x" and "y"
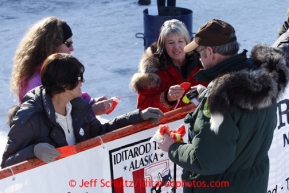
{"x": 175, "y": 46}
{"x": 66, "y": 47}
{"x": 76, "y": 92}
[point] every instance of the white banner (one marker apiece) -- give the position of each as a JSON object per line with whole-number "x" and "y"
{"x": 134, "y": 164}
{"x": 279, "y": 150}
{"x": 129, "y": 164}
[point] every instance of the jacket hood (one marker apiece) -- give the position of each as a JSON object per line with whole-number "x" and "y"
{"x": 251, "y": 88}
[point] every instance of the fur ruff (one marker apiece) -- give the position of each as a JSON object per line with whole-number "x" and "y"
{"x": 249, "y": 89}
{"x": 149, "y": 64}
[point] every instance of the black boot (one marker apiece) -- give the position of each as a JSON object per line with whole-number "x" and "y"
{"x": 144, "y": 2}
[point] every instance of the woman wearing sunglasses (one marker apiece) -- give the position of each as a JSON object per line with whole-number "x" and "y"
{"x": 47, "y": 36}
{"x": 53, "y": 115}
{"x": 163, "y": 67}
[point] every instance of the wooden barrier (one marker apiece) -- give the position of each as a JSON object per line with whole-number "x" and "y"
{"x": 96, "y": 141}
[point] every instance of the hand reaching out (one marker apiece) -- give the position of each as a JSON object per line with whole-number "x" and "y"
{"x": 151, "y": 113}
{"x": 200, "y": 88}
{"x": 45, "y": 152}
{"x": 102, "y": 98}
{"x": 102, "y": 106}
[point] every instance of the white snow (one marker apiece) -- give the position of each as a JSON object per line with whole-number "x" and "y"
{"x": 104, "y": 38}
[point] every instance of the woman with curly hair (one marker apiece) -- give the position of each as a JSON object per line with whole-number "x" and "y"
{"x": 47, "y": 36}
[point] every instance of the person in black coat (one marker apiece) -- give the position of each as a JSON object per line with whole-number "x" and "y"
{"x": 54, "y": 114}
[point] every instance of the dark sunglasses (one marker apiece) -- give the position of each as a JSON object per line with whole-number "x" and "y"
{"x": 80, "y": 78}
{"x": 68, "y": 43}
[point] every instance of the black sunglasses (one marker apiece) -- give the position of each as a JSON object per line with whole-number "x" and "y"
{"x": 68, "y": 43}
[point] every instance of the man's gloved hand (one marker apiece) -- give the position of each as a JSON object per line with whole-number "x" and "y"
{"x": 45, "y": 152}
{"x": 165, "y": 145}
{"x": 151, "y": 113}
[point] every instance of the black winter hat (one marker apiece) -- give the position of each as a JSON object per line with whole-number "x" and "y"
{"x": 66, "y": 31}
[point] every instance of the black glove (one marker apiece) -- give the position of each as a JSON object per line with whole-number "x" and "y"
{"x": 151, "y": 113}
{"x": 45, "y": 152}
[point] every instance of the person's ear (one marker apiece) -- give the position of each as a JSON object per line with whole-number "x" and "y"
{"x": 210, "y": 51}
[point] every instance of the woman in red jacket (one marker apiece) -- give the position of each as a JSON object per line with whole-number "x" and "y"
{"x": 163, "y": 67}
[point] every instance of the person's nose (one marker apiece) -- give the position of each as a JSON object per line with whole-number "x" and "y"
{"x": 176, "y": 45}
{"x": 71, "y": 48}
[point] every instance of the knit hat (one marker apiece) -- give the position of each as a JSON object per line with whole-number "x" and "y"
{"x": 66, "y": 31}
{"x": 213, "y": 33}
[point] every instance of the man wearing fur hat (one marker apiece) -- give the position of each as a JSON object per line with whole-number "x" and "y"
{"x": 235, "y": 121}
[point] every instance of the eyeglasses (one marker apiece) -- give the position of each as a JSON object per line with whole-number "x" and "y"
{"x": 198, "y": 52}
{"x": 80, "y": 78}
{"x": 68, "y": 43}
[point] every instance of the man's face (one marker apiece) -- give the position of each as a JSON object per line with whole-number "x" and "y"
{"x": 206, "y": 56}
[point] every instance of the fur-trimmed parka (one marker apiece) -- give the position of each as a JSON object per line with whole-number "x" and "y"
{"x": 157, "y": 74}
{"x": 234, "y": 123}
{"x": 254, "y": 87}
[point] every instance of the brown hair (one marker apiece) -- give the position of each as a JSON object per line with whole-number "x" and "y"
{"x": 40, "y": 41}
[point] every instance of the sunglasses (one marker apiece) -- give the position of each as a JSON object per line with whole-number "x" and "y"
{"x": 68, "y": 43}
{"x": 80, "y": 78}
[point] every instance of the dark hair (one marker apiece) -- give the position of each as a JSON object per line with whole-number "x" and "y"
{"x": 59, "y": 72}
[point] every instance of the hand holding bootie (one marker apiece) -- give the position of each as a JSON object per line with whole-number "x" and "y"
{"x": 176, "y": 135}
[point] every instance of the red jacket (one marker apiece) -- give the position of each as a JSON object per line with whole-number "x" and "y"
{"x": 157, "y": 74}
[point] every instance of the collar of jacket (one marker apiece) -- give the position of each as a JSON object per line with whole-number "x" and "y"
{"x": 207, "y": 75}
{"x": 79, "y": 106}
{"x": 38, "y": 101}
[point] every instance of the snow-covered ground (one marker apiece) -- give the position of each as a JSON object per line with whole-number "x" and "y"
{"x": 104, "y": 38}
